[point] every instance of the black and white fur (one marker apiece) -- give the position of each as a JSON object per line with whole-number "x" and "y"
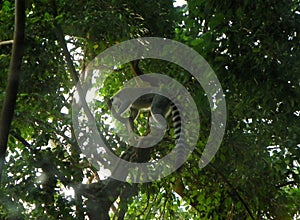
{"x": 160, "y": 109}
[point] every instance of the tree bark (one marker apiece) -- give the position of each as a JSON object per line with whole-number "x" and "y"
{"x": 13, "y": 80}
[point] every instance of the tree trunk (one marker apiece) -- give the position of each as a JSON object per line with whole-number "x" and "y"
{"x": 13, "y": 80}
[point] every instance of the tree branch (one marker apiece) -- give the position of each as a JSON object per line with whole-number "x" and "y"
{"x": 50, "y": 168}
{"x": 233, "y": 189}
{"x": 288, "y": 183}
{"x": 13, "y": 80}
{"x": 6, "y": 42}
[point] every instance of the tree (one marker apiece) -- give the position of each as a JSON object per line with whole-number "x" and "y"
{"x": 252, "y": 47}
{"x": 13, "y": 80}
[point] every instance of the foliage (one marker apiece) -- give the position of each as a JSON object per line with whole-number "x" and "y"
{"x": 253, "y": 46}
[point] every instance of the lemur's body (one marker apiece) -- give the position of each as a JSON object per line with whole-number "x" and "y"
{"x": 160, "y": 109}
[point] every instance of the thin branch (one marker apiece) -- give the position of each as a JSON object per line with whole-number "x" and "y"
{"x": 286, "y": 184}
{"x": 22, "y": 140}
{"x": 233, "y": 189}
{"x": 13, "y": 80}
{"x": 54, "y": 170}
{"x": 6, "y": 42}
